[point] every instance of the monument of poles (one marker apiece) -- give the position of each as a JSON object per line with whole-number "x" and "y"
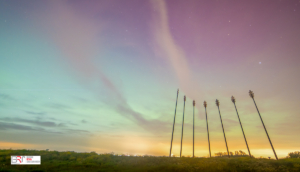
{"x": 193, "y": 128}
{"x": 205, "y": 105}
{"x": 174, "y": 123}
{"x": 184, "y": 99}
{"x": 251, "y": 94}
{"x": 218, "y": 104}
{"x": 233, "y": 101}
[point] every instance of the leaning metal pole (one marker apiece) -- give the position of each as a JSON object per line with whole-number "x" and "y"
{"x": 205, "y": 105}
{"x": 173, "y": 124}
{"x": 193, "y": 127}
{"x": 233, "y": 101}
{"x": 218, "y": 104}
{"x": 182, "y": 126}
{"x": 252, "y": 96}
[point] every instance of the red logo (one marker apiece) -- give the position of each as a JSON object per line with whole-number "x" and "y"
{"x": 19, "y": 158}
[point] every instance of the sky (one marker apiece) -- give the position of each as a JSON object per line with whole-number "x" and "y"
{"x": 102, "y": 76}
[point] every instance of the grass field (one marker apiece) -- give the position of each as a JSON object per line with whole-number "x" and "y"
{"x": 72, "y": 161}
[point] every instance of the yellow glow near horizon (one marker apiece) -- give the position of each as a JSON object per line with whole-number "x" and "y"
{"x": 8, "y": 145}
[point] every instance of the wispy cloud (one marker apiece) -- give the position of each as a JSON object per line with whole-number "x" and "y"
{"x": 35, "y": 113}
{"x": 18, "y": 124}
{"x": 7, "y": 97}
{"x": 76, "y": 131}
{"x": 76, "y": 37}
{"x": 172, "y": 52}
{"x": 5, "y": 126}
{"x": 58, "y": 106}
{"x": 35, "y": 122}
{"x": 13, "y": 126}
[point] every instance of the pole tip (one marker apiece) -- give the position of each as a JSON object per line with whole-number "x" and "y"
{"x": 184, "y": 98}
{"x": 217, "y": 102}
{"x": 232, "y": 99}
{"x": 178, "y": 90}
{"x": 205, "y": 104}
{"x": 193, "y": 102}
{"x": 251, "y": 94}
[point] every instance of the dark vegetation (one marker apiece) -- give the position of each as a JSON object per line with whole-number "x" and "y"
{"x": 72, "y": 161}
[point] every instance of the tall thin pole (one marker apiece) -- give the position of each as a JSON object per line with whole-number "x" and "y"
{"x": 193, "y": 127}
{"x": 205, "y": 105}
{"x": 218, "y": 104}
{"x": 182, "y": 126}
{"x": 252, "y": 96}
{"x": 233, "y": 101}
{"x": 173, "y": 124}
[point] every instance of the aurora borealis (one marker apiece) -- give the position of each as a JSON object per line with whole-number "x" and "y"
{"x": 103, "y": 75}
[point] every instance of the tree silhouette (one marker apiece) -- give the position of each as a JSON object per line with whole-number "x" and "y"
{"x": 295, "y": 154}
{"x": 236, "y": 153}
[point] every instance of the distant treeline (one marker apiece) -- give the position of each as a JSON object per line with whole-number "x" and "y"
{"x": 236, "y": 153}
{"x": 72, "y": 161}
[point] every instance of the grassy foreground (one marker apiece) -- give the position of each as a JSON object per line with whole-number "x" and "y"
{"x": 72, "y": 161}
